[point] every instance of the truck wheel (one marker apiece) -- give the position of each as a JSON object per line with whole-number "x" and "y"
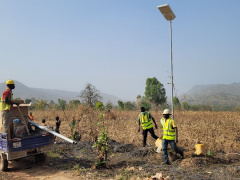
{"x": 40, "y": 157}
{"x": 3, "y": 162}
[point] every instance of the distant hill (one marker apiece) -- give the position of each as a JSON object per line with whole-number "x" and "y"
{"x": 216, "y": 94}
{"x": 24, "y": 92}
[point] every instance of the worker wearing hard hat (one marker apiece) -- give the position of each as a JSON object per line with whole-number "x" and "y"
{"x": 6, "y": 106}
{"x": 145, "y": 119}
{"x": 170, "y": 135}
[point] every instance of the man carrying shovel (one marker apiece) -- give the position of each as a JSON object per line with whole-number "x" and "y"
{"x": 6, "y": 106}
{"x": 170, "y": 135}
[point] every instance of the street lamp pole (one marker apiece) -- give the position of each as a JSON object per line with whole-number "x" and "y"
{"x": 169, "y": 16}
{"x": 171, "y": 66}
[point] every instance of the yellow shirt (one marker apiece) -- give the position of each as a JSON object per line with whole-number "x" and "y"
{"x": 172, "y": 123}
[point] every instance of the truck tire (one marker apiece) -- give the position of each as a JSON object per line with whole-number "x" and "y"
{"x": 42, "y": 157}
{"x": 3, "y": 162}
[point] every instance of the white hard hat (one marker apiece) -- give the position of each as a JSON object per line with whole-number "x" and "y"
{"x": 166, "y": 111}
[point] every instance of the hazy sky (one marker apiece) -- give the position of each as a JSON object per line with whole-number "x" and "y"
{"x": 117, "y": 44}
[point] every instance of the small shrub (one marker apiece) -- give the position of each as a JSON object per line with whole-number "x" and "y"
{"x": 74, "y": 134}
{"x": 102, "y": 142}
{"x": 210, "y": 153}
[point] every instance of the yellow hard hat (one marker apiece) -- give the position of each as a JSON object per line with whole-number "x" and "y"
{"x": 9, "y": 82}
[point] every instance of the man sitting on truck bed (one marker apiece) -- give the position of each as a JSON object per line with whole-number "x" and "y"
{"x": 6, "y": 106}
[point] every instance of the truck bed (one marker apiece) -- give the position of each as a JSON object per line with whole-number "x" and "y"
{"x": 36, "y": 143}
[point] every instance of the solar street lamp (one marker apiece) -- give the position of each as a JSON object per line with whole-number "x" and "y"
{"x": 169, "y": 16}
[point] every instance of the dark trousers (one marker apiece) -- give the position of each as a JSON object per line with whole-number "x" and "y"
{"x": 145, "y": 132}
{"x": 173, "y": 146}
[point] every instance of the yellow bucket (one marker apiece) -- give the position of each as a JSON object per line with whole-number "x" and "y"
{"x": 200, "y": 149}
{"x": 158, "y": 143}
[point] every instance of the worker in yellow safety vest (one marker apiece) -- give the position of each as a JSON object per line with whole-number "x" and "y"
{"x": 6, "y": 106}
{"x": 170, "y": 135}
{"x": 145, "y": 120}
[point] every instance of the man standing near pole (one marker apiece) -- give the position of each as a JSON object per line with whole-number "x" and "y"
{"x": 145, "y": 119}
{"x": 6, "y": 106}
{"x": 170, "y": 135}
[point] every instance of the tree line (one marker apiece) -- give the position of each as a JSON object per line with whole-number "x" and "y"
{"x": 154, "y": 99}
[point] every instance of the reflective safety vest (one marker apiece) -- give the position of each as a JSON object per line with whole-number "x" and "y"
{"x": 145, "y": 121}
{"x": 4, "y": 106}
{"x": 168, "y": 130}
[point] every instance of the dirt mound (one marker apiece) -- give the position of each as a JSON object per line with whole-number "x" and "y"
{"x": 229, "y": 157}
{"x": 130, "y": 149}
{"x": 120, "y": 148}
{"x": 141, "y": 152}
{"x": 199, "y": 161}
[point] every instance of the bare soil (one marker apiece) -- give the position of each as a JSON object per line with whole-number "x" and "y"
{"x": 219, "y": 131}
{"x": 127, "y": 161}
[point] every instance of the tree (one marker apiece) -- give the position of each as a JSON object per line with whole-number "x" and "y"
{"x": 120, "y": 105}
{"x": 109, "y": 105}
{"x": 51, "y": 104}
{"x": 90, "y": 95}
{"x": 34, "y": 100}
{"x": 62, "y": 104}
{"x": 41, "y": 104}
{"x": 27, "y": 101}
{"x": 185, "y": 106}
{"x": 145, "y": 103}
{"x": 74, "y": 103}
{"x": 176, "y": 103}
{"x": 129, "y": 105}
{"x": 155, "y": 92}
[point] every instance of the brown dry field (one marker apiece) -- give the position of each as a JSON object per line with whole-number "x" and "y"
{"x": 219, "y": 131}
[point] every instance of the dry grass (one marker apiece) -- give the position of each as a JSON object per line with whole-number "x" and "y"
{"x": 218, "y": 130}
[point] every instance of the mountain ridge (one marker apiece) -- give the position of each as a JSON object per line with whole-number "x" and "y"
{"x": 215, "y": 94}
{"x": 24, "y": 92}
